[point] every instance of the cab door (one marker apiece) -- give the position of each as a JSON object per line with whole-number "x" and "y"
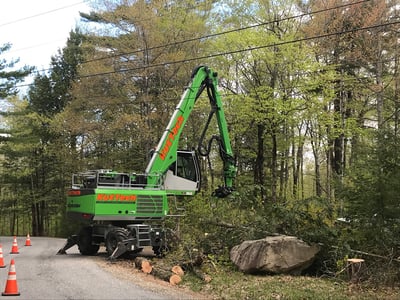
{"x": 183, "y": 176}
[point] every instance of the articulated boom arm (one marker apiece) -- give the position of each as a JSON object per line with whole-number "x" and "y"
{"x": 166, "y": 152}
{"x": 117, "y": 204}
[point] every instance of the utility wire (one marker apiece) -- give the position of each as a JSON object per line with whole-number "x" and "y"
{"x": 233, "y": 51}
{"x": 41, "y": 14}
{"x": 219, "y": 33}
{"x": 229, "y": 31}
{"x": 35, "y": 46}
{"x": 243, "y": 50}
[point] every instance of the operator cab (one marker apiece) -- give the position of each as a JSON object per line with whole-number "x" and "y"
{"x": 183, "y": 175}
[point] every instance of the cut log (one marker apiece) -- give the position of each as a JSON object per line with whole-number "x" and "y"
{"x": 177, "y": 270}
{"x": 175, "y": 279}
{"x": 189, "y": 265}
{"x": 143, "y": 264}
{"x": 205, "y": 277}
{"x": 166, "y": 275}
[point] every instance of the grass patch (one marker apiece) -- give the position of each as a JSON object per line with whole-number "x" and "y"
{"x": 228, "y": 283}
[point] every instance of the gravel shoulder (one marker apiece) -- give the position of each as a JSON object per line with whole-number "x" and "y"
{"x": 125, "y": 270}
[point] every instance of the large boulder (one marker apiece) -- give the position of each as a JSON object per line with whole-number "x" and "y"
{"x": 274, "y": 254}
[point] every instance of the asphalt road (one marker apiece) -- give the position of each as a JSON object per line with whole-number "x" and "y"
{"x": 41, "y": 274}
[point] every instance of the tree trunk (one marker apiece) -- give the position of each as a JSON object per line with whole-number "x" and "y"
{"x": 35, "y": 219}
{"x": 42, "y": 217}
{"x": 297, "y": 162}
{"x": 336, "y": 158}
{"x": 318, "y": 186}
{"x": 396, "y": 91}
{"x": 379, "y": 94}
{"x": 259, "y": 177}
{"x": 274, "y": 167}
{"x": 396, "y": 96}
{"x": 166, "y": 275}
{"x": 284, "y": 171}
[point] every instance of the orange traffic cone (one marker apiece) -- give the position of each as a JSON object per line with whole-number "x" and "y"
{"x": 11, "y": 285}
{"x": 28, "y": 240}
{"x": 14, "y": 248}
{"x": 2, "y": 265}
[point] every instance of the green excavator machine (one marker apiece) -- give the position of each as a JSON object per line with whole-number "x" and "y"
{"x": 116, "y": 205}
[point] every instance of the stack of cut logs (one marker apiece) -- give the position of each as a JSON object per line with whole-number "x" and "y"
{"x": 173, "y": 275}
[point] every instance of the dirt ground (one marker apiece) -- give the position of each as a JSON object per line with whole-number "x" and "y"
{"x": 125, "y": 269}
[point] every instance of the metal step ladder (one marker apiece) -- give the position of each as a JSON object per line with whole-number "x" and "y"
{"x": 143, "y": 234}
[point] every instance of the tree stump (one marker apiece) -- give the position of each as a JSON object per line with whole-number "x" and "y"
{"x": 355, "y": 269}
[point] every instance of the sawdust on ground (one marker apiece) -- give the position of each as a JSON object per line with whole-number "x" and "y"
{"x": 125, "y": 269}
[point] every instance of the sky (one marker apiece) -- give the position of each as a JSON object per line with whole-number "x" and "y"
{"x": 37, "y": 28}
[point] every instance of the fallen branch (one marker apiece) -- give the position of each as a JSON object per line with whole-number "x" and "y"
{"x": 370, "y": 254}
{"x": 194, "y": 267}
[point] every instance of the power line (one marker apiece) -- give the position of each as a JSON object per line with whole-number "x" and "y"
{"x": 41, "y": 14}
{"x": 35, "y": 46}
{"x": 230, "y": 31}
{"x": 234, "y": 51}
{"x": 243, "y": 50}
{"x": 220, "y": 33}
{"x": 361, "y": 79}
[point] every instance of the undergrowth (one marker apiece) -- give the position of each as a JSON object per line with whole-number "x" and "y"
{"x": 211, "y": 228}
{"x": 228, "y": 283}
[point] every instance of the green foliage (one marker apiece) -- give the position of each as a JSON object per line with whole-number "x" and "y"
{"x": 313, "y": 137}
{"x": 311, "y": 219}
{"x": 122, "y": 103}
{"x": 371, "y": 193}
{"x": 227, "y": 283}
{"x": 51, "y": 93}
{"x": 9, "y": 76}
{"x": 214, "y": 226}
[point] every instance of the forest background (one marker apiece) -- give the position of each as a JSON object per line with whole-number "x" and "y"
{"x": 311, "y": 92}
